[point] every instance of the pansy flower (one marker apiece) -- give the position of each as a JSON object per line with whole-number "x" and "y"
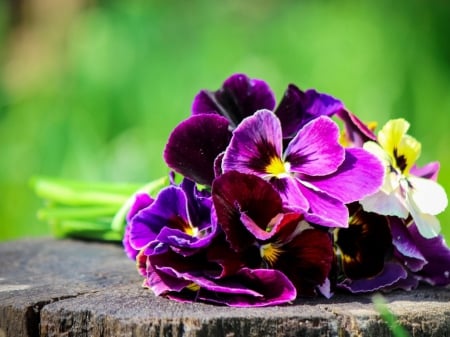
{"x": 178, "y": 219}
{"x": 404, "y": 193}
{"x": 251, "y": 214}
{"x": 380, "y": 253}
{"x": 314, "y": 174}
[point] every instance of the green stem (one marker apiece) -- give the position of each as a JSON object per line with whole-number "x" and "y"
{"x": 62, "y": 213}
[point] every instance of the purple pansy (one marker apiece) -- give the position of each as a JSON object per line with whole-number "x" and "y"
{"x": 315, "y": 174}
{"x": 250, "y": 213}
{"x": 179, "y": 219}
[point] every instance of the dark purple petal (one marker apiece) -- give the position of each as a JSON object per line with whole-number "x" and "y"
{"x": 307, "y": 260}
{"x": 315, "y": 149}
{"x": 428, "y": 171}
{"x": 238, "y": 98}
{"x": 356, "y": 131}
{"x": 236, "y": 193}
{"x": 364, "y": 245}
{"x": 324, "y": 210}
{"x": 391, "y": 274}
{"x": 194, "y": 145}
{"x": 256, "y": 142}
{"x": 437, "y": 253}
{"x": 361, "y": 174}
{"x": 298, "y": 108}
{"x": 405, "y": 245}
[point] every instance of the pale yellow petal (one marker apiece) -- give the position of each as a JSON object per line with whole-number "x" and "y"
{"x": 392, "y": 133}
{"x": 410, "y": 149}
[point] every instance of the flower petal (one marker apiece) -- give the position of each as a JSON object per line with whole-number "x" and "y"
{"x": 298, "y": 108}
{"x": 361, "y": 174}
{"x": 428, "y": 171}
{"x": 315, "y": 149}
{"x": 168, "y": 210}
{"x": 307, "y": 260}
{"x": 406, "y": 246}
{"x": 356, "y": 131}
{"x": 391, "y": 274}
{"x": 194, "y": 145}
{"x": 428, "y": 195}
{"x": 437, "y": 253}
{"x": 248, "y": 288}
{"x": 236, "y": 193}
{"x": 238, "y": 98}
{"x": 364, "y": 245}
{"x": 255, "y": 144}
{"x": 385, "y": 204}
{"x": 324, "y": 210}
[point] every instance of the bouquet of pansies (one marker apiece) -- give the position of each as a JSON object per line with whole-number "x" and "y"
{"x": 266, "y": 203}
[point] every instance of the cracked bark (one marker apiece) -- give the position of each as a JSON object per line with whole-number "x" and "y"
{"x": 74, "y": 288}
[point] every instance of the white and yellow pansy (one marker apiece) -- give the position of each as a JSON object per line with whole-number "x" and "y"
{"x": 403, "y": 193}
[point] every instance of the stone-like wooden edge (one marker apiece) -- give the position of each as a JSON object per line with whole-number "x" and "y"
{"x": 73, "y": 288}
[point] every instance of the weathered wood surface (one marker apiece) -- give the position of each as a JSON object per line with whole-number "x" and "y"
{"x": 73, "y": 288}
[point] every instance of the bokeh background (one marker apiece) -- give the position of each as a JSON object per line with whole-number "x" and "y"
{"x": 90, "y": 90}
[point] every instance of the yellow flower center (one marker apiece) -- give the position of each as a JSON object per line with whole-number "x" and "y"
{"x": 270, "y": 252}
{"x": 193, "y": 286}
{"x": 278, "y": 168}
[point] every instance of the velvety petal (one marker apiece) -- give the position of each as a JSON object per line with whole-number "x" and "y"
{"x": 324, "y": 210}
{"x": 360, "y": 175}
{"x": 248, "y": 288}
{"x": 168, "y": 210}
{"x": 391, "y": 274}
{"x": 356, "y": 131}
{"x": 194, "y": 145}
{"x": 428, "y": 171}
{"x": 298, "y": 108}
{"x": 307, "y": 260}
{"x": 141, "y": 201}
{"x": 235, "y": 193}
{"x": 437, "y": 253}
{"x": 256, "y": 142}
{"x": 315, "y": 149}
{"x": 238, "y": 98}
{"x": 406, "y": 246}
{"x": 229, "y": 260}
{"x": 364, "y": 245}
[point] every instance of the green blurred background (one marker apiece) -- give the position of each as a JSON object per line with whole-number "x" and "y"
{"x": 90, "y": 90}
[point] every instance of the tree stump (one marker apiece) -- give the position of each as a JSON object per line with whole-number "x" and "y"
{"x": 52, "y": 287}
